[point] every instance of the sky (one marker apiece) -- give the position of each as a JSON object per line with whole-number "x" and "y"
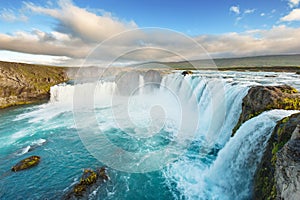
{"x": 69, "y": 33}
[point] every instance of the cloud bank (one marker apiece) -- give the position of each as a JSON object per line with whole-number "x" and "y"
{"x": 294, "y": 15}
{"x": 78, "y": 31}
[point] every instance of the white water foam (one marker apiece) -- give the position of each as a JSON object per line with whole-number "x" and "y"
{"x": 188, "y": 173}
{"x": 230, "y": 176}
{"x": 32, "y": 146}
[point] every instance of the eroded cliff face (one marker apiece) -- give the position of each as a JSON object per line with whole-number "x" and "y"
{"x": 24, "y": 83}
{"x": 265, "y": 182}
{"x": 262, "y": 98}
{"x": 278, "y": 174}
{"x": 287, "y": 168}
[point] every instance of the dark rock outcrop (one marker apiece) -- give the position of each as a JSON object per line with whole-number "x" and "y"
{"x": 262, "y": 98}
{"x": 89, "y": 182}
{"x": 24, "y": 83}
{"x": 278, "y": 171}
{"x": 187, "y": 72}
{"x": 287, "y": 169}
{"x": 26, "y": 163}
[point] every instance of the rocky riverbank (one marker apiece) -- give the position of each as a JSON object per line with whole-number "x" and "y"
{"x": 277, "y": 175}
{"x": 262, "y": 98}
{"x": 24, "y": 83}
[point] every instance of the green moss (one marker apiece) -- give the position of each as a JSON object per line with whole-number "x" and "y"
{"x": 273, "y": 193}
{"x": 79, "y": 189}
{"x": 264, "y": 181}
{"x": 240, "y": 122}
{"x": 289, "y": 90}
{"x": 26, "y": 163}
{"x": 89, "y": 177}
{"x": 285, "y": 120}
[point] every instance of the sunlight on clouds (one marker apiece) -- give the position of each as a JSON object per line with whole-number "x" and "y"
{"x": 294, "y": 15}
{"x": 79, "y": 30}
{"x": 83, "y": 24}
{"x": 244, "y": 44}
{"x": 294, "y": 3}
{"x": 33, "y": 59}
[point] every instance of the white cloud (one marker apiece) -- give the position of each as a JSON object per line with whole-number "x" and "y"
{"x": 293, "y": 3}
{"x": 262, "y": 14}
{"x": 235, "y": 9}
{"x": 249, "y": 11}
{"x": 38, "y": 42}
{"x": 254, "y": 42}
{"x": 80, "y": 30}
{"x": 294, "y": 15}
{"x": 9, "y": 15}
{"x": 81, "y": 23}
{"x": 33, "y": 59}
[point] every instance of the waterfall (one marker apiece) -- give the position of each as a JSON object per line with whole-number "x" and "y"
{"x": 205, "y": 107}
{"x": 210, "y": 104}
{"x": 230, "y": 174}
{"x": 65, "y": 93}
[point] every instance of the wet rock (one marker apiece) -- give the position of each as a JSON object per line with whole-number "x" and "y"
{"x": 89, "y": 182}
{"x": 187, "y": 72}
{"x": 271, "y": 76}
{"x": 26, "y": 163}
{"x": 262, "y": 98}
{"x": 277, "y": 175}
{"x": 287, "y": 170}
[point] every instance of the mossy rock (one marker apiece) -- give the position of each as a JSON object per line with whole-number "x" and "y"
{"x": 26, "y": 163}
{"x": 103, "y": 174}
{"x": 264, "y": 179}
{"x": 263, "y": 98}
{"x": 89, "y": 177}
{"x": 89, "y": 181}
{"x": 79, "y": 189}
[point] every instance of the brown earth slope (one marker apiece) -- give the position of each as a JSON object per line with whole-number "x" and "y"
{"x": 24, "y": 83}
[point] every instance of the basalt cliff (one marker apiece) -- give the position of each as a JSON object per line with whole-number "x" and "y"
{"x": 278, "y": 174}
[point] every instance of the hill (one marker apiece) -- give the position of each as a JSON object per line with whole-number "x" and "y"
{"x": 269, "y": 63}
{"x": 25, "y": 83}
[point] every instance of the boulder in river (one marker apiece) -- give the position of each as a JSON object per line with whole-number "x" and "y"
{"x": 89, "y": 182}
{"x": 26, "y": 163}
{"x": 187, "y": 72}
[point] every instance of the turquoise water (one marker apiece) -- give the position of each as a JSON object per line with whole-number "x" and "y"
{"x": 207, "y": 164}
{"x": 63, "y": 158}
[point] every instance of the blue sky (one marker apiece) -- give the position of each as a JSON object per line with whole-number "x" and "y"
{"x": 54, "y": 28}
